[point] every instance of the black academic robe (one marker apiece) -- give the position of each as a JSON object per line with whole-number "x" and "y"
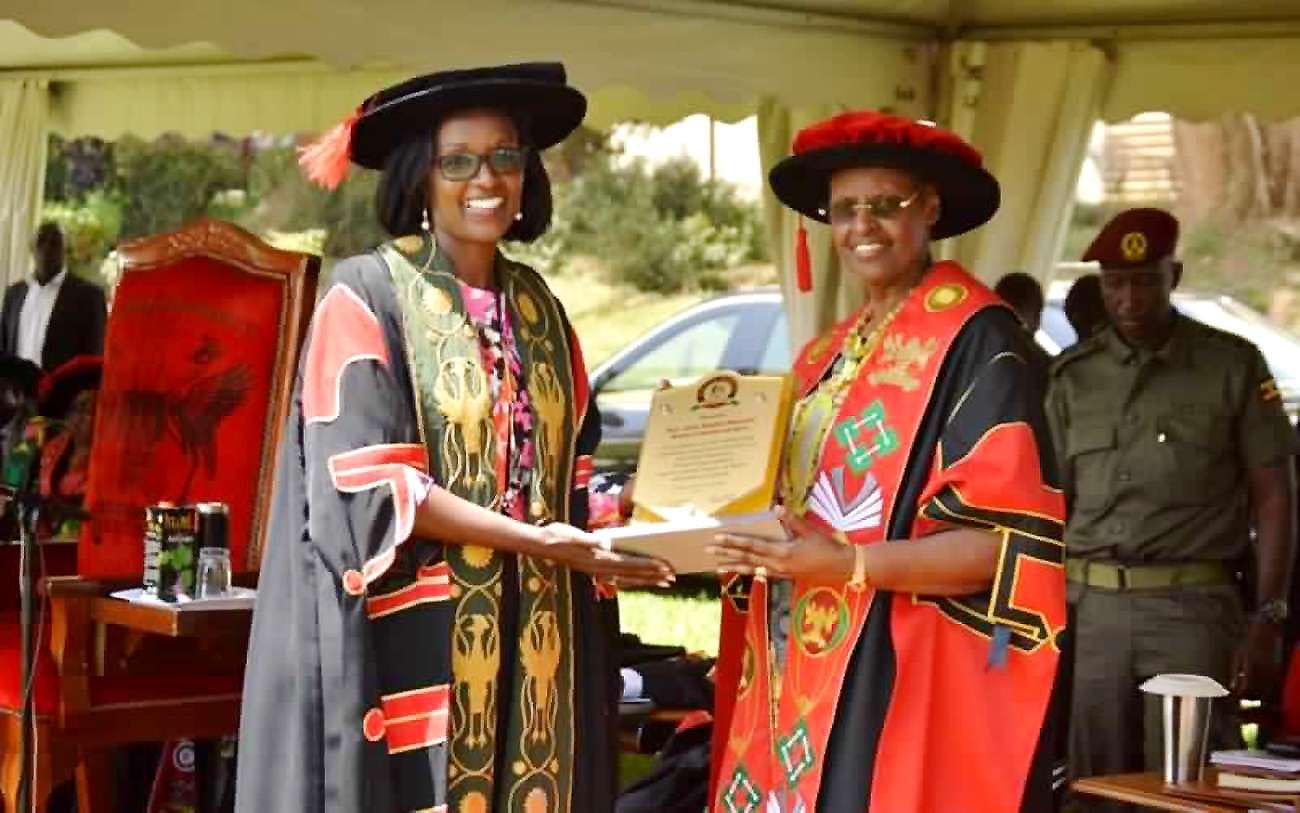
{"x": 345, "y": 698}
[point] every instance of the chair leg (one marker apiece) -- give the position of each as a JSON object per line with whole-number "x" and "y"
{"x": 42, "y": 783}
{"x": 10, "y": 773}
{"x": 96, "y": 791}
{"x": 46, "y": 766}
{"x": 11, "y": 769}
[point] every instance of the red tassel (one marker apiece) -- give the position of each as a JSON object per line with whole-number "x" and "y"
{"x": 802, "y": 260}
{"x": 326, "y": 160}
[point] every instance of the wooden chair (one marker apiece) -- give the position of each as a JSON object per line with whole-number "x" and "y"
{"x": 200, "y": 356}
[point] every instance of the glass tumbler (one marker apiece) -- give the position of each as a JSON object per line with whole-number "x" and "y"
{"x": 213, "y": 573}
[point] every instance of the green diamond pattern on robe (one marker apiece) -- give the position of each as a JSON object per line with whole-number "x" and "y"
{"x": 866, "y": 437}
{"x": 741, "y": 795}
{"x": 796, "y": 754}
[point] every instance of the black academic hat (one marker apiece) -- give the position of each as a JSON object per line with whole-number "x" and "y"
{"x": 536, "y": 93}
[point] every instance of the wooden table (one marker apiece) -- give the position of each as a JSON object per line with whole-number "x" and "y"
{"x": 1149, "y": 790}
{"x": 171, "y": 621}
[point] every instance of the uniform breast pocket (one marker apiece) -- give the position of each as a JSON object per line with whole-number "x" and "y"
{"x": 1090, "y": 452}
{"x": 1192, "y": 450}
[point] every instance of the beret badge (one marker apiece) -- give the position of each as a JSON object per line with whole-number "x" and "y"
{"x": 1134, "y": 246}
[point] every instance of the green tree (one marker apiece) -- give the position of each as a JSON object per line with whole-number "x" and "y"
{"x": 171, "y": 181}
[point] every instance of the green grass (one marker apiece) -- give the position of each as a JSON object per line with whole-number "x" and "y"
{"x": 665, "y": 618}
{"x": 607, "y": 317}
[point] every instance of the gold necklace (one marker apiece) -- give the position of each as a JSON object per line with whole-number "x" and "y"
{"x": 858, "y": 346}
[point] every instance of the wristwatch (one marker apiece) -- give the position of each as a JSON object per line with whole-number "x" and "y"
{"x": 1274, "y": 611}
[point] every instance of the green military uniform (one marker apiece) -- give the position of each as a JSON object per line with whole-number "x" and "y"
{"x": 1155, "y": 448}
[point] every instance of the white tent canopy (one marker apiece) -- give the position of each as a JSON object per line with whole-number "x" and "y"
{"x": 1022, "y": 79}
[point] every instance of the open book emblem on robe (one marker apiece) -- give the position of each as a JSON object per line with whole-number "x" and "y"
{"x": 794, "y": 804}
{"x": 861, "y": 512}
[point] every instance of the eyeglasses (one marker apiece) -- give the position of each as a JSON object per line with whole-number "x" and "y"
{"x": 461, "y": 166}
{"x": 881, "y": 207}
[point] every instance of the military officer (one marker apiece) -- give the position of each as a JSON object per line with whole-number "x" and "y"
{"x": 1174, "y": 444}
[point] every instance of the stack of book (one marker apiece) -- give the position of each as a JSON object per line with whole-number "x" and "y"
{"x": 1257, "y": 773}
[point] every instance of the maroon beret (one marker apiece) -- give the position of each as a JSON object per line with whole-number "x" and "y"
{"x": 1134, "y": 237}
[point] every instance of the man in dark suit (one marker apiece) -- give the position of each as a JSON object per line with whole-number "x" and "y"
{"x": 53, "y": 316}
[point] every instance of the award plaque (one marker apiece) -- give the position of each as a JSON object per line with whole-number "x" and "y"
{"x": 709, "y": 463}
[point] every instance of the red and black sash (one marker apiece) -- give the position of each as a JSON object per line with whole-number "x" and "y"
{"x": 773, "y": 759}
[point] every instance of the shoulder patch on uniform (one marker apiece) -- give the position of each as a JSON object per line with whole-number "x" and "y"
{"x": 1268, "y": 391}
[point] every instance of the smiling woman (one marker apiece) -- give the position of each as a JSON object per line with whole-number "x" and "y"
{"x": 429, "y": 632}
{"x": 925, "y": 564}
{"x": 446, "y": 171}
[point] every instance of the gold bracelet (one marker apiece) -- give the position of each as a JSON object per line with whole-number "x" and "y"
{"x": 859, "y": 580}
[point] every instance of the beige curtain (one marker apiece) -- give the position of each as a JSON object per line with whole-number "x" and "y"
{"x": 24, "y": 106}
{"x": 830, "y": 299}
{"x": 1029, "y": 107}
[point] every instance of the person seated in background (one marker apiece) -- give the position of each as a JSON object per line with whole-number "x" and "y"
{"x": 1084, "y": 309}
{"x": 67, "y": 399}
{"x": 51, "y": 451}
{"x": 1025, "y": 296}
{"x": 18, "y": 380}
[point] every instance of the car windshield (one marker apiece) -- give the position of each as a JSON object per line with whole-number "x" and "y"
{"x": 682, "y": 356}
{"x": 1281, "y": 349}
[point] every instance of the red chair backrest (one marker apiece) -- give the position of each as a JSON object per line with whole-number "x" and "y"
{"x": 1289, "y": 724}
{"x": 201, "y": 347}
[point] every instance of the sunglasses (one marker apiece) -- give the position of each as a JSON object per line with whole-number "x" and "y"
{"x": 461, "y": 166}
{"x": 880, "y": 207}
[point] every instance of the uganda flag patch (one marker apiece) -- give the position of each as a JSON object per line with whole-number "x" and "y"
{"x": 1268, "y": 391}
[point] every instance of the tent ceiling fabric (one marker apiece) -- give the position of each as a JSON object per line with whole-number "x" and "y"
{"x": 653, "y": 60}
{"x": 649, "y": 65}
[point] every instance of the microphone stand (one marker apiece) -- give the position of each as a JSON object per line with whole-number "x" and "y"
{"x": 28, "y": 510}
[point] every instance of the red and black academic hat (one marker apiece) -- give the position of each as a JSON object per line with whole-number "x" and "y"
{"x": 537, "y": 93}
{"x": 1134, "y": 238}
{"x": 968, "y": 193}
{"x": 62, "y": 384}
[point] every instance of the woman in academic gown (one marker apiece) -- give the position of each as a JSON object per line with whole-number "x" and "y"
{"x": 430, "y": 634}
{"x": 898, "y": 654}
